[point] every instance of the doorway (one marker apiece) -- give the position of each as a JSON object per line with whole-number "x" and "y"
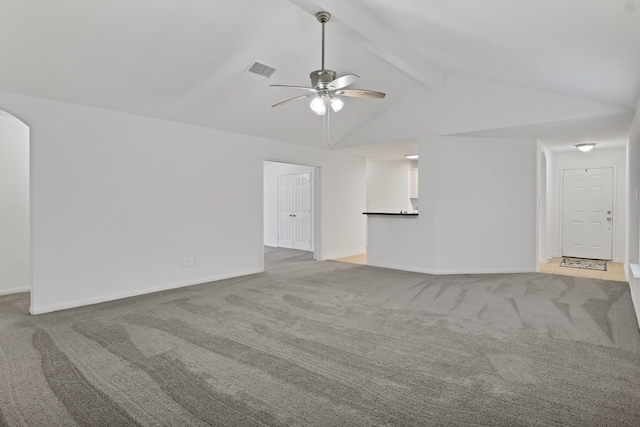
{"x": 15, "y": 222}
{"x": 290, "y": 206}
{"x": 587, "y": 213}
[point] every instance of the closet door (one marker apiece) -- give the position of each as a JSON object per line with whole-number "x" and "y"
{"x": 294, "y": 211}
{"x": 302, "y": 211}
{"x": 285, "y": 211}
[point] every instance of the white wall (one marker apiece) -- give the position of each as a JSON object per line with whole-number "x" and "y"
{"x": 271, "y": 172}
{"x": 477, "y": 210}
{"x": 388, "y": 186}
{"x": 633, "y": 209}
{"x": 15, "y": 257}
{"x": 486, "y": 211}
{"x": 597, "y": 158}
{"x": 119, "y": 200}
{"x": 343, "y": 196}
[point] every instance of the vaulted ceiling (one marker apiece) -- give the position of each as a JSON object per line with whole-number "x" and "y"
{"x": 559, "y": 71}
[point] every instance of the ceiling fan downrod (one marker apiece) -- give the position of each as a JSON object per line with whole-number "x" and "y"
{"x": 321, "y": 78}
{"x": 323, "y": 18}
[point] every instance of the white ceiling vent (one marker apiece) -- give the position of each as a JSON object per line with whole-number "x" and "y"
{"x": 261, "y": 69}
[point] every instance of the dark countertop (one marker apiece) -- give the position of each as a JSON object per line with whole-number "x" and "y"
{"x": 390, "y": 213}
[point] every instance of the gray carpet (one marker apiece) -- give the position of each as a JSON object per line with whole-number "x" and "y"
{"x": 330, "y": 344}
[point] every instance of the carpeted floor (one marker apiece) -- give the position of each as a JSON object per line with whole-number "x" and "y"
{"x": 330, "y": 344}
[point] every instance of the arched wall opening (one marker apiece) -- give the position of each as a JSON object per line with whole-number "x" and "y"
{"x": 15, "y": 218}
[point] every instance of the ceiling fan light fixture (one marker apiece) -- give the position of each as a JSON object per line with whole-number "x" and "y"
{"x": 318, "y": 106}
{"x": 585, "y": 147}
{"x": 325, "y": 85}
{"x": 336, "y": 104}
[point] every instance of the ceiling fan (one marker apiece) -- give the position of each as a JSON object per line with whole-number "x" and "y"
{"x": 325, "y": 87}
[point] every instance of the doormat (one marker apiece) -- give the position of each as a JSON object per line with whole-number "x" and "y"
{"x": 589, "y": 264}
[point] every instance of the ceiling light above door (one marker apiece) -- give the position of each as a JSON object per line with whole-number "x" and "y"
{"x": 585, "y": 147}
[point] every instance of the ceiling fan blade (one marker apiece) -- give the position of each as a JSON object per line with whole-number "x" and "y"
{"x": 295, "y": 87}
{"x": 293, "y": 99}
{"x": 360, "y": 93}
{"x": 343, "y": 81}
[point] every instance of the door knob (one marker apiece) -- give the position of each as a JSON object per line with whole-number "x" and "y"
{"x": 609, "y": 219}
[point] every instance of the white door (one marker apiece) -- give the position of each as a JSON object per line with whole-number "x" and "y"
{"x": 285, "y": 211}
{"x": 302, "y": 211}
{"x": 587, "y": 217}
{"x": 294, "y": 211}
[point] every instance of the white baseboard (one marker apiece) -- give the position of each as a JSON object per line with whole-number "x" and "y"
{"x": 489, "y": 271}
{"x": 107, "y": 298}
{"x": 403, "y": 268}
{"x": 461, "y": 271}
{"x": 15, "y": 290}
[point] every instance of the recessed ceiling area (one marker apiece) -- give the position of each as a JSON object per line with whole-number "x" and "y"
{"x": 554, "y": 71}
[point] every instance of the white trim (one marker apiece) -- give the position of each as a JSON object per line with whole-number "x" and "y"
{"x": 98, "y": 300}
{"x": 15, "y": 290}
{"x": 493, "y": 271}
{"x": 447, "y": 272}
{"x": 634, "y": 288}
{"x": 635, "y": 270}
{"x": 403, "y": 268}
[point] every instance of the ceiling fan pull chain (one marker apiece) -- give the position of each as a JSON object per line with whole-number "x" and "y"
{"x": 324, "y": 132}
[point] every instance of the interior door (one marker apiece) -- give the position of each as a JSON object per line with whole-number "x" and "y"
{"x": 285, "y": 211}
{"x": 587, "y": 213}
{"x": 294, "y": 211}
{"x": 302, "y": 211}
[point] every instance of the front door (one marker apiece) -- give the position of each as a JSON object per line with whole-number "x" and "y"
{"x": 587, "y": 217}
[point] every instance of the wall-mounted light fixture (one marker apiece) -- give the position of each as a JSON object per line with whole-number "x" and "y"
{"x": 585, "y": 147}
{"x": 411, "y": 156}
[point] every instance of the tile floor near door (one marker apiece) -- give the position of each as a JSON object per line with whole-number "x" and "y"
{"x": 615, "y": 271}
{"x": 354, "y": 259}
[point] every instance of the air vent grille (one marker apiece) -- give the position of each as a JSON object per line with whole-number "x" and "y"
{"x": 261, "y": 69}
